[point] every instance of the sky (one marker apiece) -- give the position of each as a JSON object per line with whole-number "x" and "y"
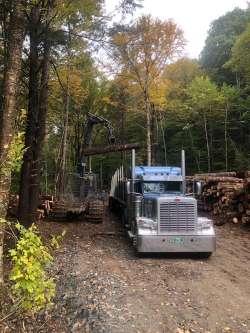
{"x": 193, "y": 16}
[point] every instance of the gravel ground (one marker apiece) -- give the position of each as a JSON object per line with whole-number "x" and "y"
{"x": 103, "y": 287}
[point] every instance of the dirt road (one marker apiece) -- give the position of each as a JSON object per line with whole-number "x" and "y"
{"x": 104, "y": 287}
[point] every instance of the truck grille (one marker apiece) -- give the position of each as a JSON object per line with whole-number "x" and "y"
{"x": 177, "y": 216}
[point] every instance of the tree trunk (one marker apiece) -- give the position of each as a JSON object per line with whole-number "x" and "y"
{"x": 153, "y": 134}
{"x": 40, "y": 135}
{"x": 194, "y": 150}
{"x": 32, "y": 118}
{"x": 60, "y": 178}
{"x": 65, "y": 136}
{"x": 149, "y": 128}
{"x": 5, "y": 13}
{"x": 164, "y": 143}
{"x": 37, "y": 112}
{"x": 207, "y": 143}
{"x": 8, "y": 110}
{"x": 122, "y": 98}
{"x": 211, "y": 146}
{"x": 226, "y": 137}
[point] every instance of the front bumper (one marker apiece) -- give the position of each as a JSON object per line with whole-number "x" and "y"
{"x": 176, "y": 243}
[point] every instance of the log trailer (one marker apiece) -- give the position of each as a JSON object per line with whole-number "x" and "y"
{"x": 159, "y": 215}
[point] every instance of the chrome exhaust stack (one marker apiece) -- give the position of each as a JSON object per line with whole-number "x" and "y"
{"x": 183, "y": 171}
{"x": 133, "y": 171}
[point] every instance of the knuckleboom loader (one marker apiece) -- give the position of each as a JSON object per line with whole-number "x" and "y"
{"x": 159, "y": 215}
{"x": 81, "y": 195}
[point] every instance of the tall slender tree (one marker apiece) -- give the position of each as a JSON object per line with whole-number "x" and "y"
{"x": 142, "y": 51}
{"x": 33, "y": 105}
{"x": 40, "y": 35}
{"x": 9, "y": 108}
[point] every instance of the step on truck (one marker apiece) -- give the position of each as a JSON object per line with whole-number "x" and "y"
{"x": 158, "y": 213}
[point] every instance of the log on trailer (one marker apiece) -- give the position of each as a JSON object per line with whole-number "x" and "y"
{"x": 109, "y": 149}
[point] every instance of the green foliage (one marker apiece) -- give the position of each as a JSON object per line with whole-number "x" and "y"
{"x": 181, "y": 97}
{"x": 55, "y": 241}
{"x": 13, "y": 161}
{"x": 143, "y": 49}
{"x": 240, "y": 60}
{"x": 183, "y": 71}
{"x": 32, "y": 287}
{"x": 203, "y": 95}
{"x": 2, "y": 222}
{"x": 221, "y": 38}
{"x": 16, "y": 152}
{"x": 86, "y": 95}
{"x": 201, "y": 115}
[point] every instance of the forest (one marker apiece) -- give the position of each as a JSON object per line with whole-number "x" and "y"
{"x": 76, "y": 63}
{"x": 63, "y": 59}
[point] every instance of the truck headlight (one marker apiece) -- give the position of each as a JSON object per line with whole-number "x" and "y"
{"x": 146, "y": 223}
{"x": 204, "y": 223}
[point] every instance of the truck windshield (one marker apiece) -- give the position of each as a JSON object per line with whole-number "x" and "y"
{"x": 162, "y": 187}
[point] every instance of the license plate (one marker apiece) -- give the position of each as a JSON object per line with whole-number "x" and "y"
{"x": 177, "y": 240}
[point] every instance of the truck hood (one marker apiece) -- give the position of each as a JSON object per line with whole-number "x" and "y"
{"x": 162, "y": 195}
{"x": 169, "y": 197}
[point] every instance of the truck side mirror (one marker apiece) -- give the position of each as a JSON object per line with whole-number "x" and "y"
{"x": 198, "y": 188}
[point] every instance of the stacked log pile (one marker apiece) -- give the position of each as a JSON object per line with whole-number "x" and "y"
{"x": 43, "y": 210}
{"x": 45, "y": 206}
{"x": 226, "y": 196}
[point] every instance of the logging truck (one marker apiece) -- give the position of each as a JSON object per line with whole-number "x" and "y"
{"x": 158, "y": 213}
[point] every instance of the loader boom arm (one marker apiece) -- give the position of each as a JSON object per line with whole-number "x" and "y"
{"x": 91, "y": 121}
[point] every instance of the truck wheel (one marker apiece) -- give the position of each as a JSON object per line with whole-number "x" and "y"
{"x": 205, "y": 255}
{"x": 111, "y": 206}
{"x": 140, "y": 254}
{"x": 124, "y": 217}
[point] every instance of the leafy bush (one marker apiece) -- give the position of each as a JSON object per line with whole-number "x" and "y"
{"x": 14, "y": 159}
{"x": 55, "y": 240}
{"x": 32, "y": 286}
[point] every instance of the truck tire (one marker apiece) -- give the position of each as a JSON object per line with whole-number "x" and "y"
{"x": 205, "y": 255}
{"x": 111, "y": 208}
{"x": 124, "y": 217}
{"x": 139, "y": 254}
